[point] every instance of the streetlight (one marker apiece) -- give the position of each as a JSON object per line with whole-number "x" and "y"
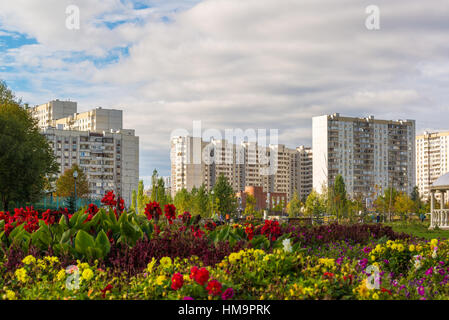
{"x": 268, "y": 206}
{"x": 213, "y": 203}
{"x": 75, "y": 175}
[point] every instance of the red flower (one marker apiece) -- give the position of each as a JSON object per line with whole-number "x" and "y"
{"x": 106, "y": 289}
{"x": 201, "y": 276}
{"x": 210, "y": 226}
{"x": 109, "y": 199}
{"x": 198, "y": 233}
{"x": 385, "y": 290}
{"x": 214, "y": 287}
{"x": 329, "y": 275}
{"x": 153, "y": 210}
{"x": 170, "y": 212}
{"x": 8, "y": 228}
{"x": 177, "y": 281}
{"x": 50, "y": 217}
{"x": 185, "y": 217}
{"x": 271, "y": 229}
{"x": 249, "y": 230}
{"x": 193, "y": 272}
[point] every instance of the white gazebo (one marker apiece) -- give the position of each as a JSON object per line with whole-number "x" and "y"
{"x": 439, "y": 217}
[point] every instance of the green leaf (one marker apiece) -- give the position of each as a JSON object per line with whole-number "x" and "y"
{"x": 65, "y": 236}
{"x": 102, "y": 243}
{"x": 83, "y": 242}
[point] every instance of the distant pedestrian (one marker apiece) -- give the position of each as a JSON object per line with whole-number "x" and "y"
{"x": 422, "y": 216}
{"x": 378, "y": 218}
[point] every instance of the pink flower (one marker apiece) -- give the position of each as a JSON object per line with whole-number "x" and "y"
{"x": 228, "y": 294}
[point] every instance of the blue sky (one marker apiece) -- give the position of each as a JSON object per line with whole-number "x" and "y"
{"x": 230, "y": 63}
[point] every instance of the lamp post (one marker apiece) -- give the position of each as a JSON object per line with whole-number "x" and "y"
{"x": 240, "y": 207}
{"x": 268, "y": 206}
{"x": 213, "y": 203}
{"x": 75, "y": 176}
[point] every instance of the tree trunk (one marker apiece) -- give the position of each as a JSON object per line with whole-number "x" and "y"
{"x": 5, "y": 204}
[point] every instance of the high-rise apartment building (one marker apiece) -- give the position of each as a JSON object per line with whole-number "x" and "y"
{"x": 95, "y": 141}
{"x": 47, "y": 113}
{"x": 432, "y": 159}
{"x": 97, "y": 120}
{"x": 195, "y": 162}
{"x": 371, "y": 155}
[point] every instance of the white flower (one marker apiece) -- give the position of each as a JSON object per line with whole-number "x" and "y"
{"x": 287, "y": 245}
{"x": 434, "y": 254}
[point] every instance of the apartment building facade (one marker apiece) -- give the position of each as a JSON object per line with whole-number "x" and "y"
{"x": 245, "y": 164}
{"x": 96, "y": 142}
{"x": 370, "y": 154}
{"x": 49, "y": 112}
{"x": 432, "y": 159}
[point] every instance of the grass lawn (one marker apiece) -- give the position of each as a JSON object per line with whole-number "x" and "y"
{"x": 418, "y": 229}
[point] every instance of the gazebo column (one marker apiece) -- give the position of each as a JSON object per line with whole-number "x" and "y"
{"x": 440, "y": 212}
{"x": 432, "y": 208}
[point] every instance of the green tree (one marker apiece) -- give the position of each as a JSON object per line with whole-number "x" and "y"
{"x": 294, "y": 206}
{"x": 418, "y": 205}
{"x": 339, "y": 199}
{"x": 224, "y": 193}
{"x": 183, "y": 201}
{"x": 385, "y": 203}
{"x": 65, "y": 185}
{"x": 403, "y": 204}
{"x": 160, "y": 192}
{"x": 250, "y": 205}
{"x": 133, "y": 205}
{"x": 314, "y": 206}
{"x": 26, "y": 158}
{"x": 200, "y": 202}
{"x": 141, "y": 198}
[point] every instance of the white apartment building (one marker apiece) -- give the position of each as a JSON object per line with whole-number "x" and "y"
{"x": 97, "y": 120}
{"x": 370, "y": 154}
{"x": 47, "y": 113}
{"x": 95, "y": 141}
{"x": 432, "y": 159}
{"x": 245, "y": 164}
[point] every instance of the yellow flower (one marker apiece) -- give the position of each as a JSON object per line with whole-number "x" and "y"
{"x": 21, "y": 275}
{"x": 151, "y": 265}
{"x": 375, "y": 296}
{"x": 29, "y": 260}
{"x": 433, "y": 243}
{"x": 10, "y": 295}
{"x": 52, "y": 260}
{"x": 87, "y": 274}
{"x": 363, "y": 290}
{"x": 165, "y": 262}
{"x": 160, "y": 280}
{"x": 373, "y": 258}
{"x": 233, "y": 257}
{"x": 61, "y": 275}
{"x": 41, "y": 264}
{"x": 411, "y": 248}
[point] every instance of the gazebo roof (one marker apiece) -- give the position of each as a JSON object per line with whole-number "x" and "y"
{"x": 441, "y": 182}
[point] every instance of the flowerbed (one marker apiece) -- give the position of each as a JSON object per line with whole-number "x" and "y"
{"x": 107, "y": 253}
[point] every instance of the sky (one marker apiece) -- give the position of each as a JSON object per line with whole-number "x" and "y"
{"x": 245, "y": 64}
